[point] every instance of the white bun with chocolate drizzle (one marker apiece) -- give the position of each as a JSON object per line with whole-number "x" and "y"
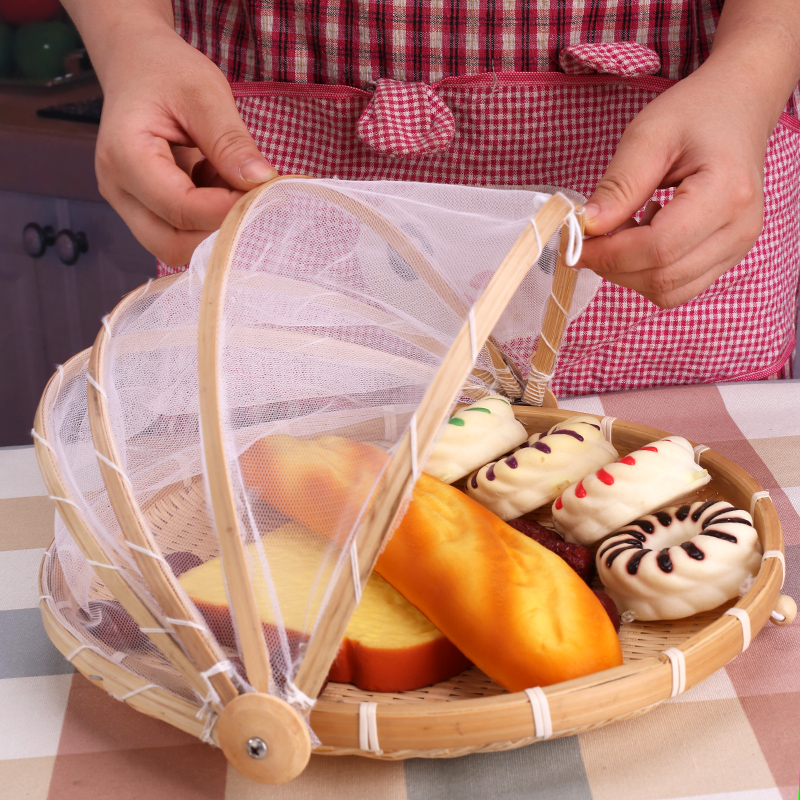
{"x": 649, "y": 478}
{"x": 680, "y": 561}
{"x": 542, "y": 467}
{"x": 473, "y": 436}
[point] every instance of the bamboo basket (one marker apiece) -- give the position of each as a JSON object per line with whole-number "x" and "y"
{"x": 464, "y": 715}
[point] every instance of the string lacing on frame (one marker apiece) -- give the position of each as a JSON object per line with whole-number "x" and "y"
{"x": 678, "y": 661}
{"x": 606, "y": 424}
{"x": 368, "y": 728}
{"x": 542, "y": 722}
{"x": 755, "y": 498}
{"x": 744, "y": 618}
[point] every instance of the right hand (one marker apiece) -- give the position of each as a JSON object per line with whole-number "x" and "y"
{"x": 165, "y": 106}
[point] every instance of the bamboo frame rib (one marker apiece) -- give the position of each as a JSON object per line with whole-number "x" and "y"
{"x": 234, "y": 560}
{"x": 543, "y": 361}
{"x": 168, "y": 593}
{"x": 399, "y": 476}
{"x": 84, "y": 536}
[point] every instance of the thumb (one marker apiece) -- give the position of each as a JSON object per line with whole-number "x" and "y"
{"x": 629, "y": 181}
{"x": 223, "y": 138}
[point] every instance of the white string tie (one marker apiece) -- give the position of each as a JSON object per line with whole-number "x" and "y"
{"x": 155, "y": 630}
{"x": 678, "y": 661}
{"x": 473, "y": 342}
{"x": 575, "y": 241}
{"x": 64, "y": 500}
{"x": 106, "y": 326}
{"x": 44, "y": 597}
{"x": 147, "y": 552}
{"x": 540, "y": 377}
{"x": 368, "y": 728}
{"x": 754, "y": 499}
{"x": 543, "y": 338}
{"x": 542, "y": 722}
{"x": 414, "y": 460}
{"x": 699, "y": 448}
{"x": 114, "y": 466}
{"x": 187, "y": 623}
{"x": 42, "y": 440}
{"x": 606, "y": 424}
{"x": 208, "y": 726}
{"x": 298, "y": 698}
{"x": 102, "y": 565}
{"x": 91, "y": 647}
{"x": 133, "y": 693}
{"x": 212, "y": 698}
{"x": 538, "y": 238}
{"x": 563, "y": 310}
{"x": 779, "y": 555}
{"x": 744, "y": 618}
{"x": 356, "y": 571}
{"x": 97, "y": 386}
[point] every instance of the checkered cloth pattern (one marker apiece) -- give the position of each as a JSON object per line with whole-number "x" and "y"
{"x": 626, "y": 59}
{"x": 406, "y": 119}
{"x": 526, "y": 128}
{"x": 470, "y": 92}
{"x": 355, "y": 43}
{"x": 733, "y": 737}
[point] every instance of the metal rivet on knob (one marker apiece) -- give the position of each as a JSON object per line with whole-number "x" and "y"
{"x": 36, "y": 239}
{"x": 256, "y": 748}
{"x": 70, "y": 245}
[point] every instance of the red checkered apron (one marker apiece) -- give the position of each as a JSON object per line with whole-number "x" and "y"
{"x": 491, "y": 93}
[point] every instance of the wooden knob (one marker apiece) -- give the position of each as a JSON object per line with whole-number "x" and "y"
{"x": 264, "y": 738}
{"x": 785, "y": 610}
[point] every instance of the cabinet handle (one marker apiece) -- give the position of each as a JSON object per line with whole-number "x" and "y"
{"x": 70, "y": 245}
{"x": 36, "y": 239}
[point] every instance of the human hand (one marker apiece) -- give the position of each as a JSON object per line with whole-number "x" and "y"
{"x": 165, "y": 103}
{"x": 703, "y": 136}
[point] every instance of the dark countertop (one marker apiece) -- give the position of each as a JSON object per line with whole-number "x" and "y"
{"x": 48, "y": 157}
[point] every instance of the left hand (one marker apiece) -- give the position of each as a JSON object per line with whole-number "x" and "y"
{"x": 703, "y": 137}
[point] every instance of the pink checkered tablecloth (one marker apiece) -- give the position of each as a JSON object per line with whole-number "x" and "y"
{"x": 733, "y": 737}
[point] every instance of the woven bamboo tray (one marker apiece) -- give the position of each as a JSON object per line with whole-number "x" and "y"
{"x": 464, "y": 715}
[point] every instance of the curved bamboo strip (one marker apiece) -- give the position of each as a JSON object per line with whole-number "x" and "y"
{"x": 168, "y": 593}
{"x": 84, "y": 536}
{"x": 399, "y": 476}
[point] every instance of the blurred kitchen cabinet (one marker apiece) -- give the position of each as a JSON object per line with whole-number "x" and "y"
{"x": 51, "y": 310}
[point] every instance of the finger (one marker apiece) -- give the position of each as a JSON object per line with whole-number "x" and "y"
{"x": 167, "y": 191}
{"x": 676, "y": 230}
{"x": 214, "y": 124}
{"x": 634, "y": 173}
{"x": 671, "y": 286}
{"x": 174, "y": 247}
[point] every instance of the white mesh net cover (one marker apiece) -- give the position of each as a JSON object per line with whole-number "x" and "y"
{"x": 340, "y": 305}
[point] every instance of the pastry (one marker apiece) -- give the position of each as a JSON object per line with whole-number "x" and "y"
{"x": 647, "y": 479}
{"x": 474, "y": 436}
{"x": 680, "y": 561}
{"x": 542, "y": 468}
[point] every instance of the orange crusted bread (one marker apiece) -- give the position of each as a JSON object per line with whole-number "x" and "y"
{"x": 511, "y": 606}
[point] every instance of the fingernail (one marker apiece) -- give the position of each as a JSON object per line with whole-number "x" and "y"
{"x": 591, "y": 211}
{"x": 256, "y": 170}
